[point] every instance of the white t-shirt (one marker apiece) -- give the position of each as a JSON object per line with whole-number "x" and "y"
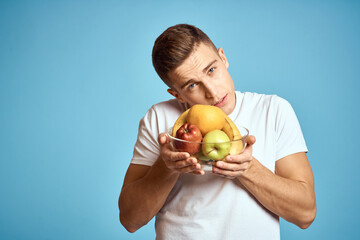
{"x": 213, "y": 207}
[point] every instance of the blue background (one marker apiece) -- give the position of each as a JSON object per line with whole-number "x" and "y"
{"x": 76, "y": 77}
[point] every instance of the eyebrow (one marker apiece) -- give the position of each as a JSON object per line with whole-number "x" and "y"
{"x": 188, "y": 82}
{"x": 204, "y": 70}
{"x": 209, "y": 65}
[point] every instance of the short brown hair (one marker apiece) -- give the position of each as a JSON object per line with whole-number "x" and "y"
{"x": 173, "y": 46}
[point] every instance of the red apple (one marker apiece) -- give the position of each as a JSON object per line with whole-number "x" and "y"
{"x": 188, "y": 132}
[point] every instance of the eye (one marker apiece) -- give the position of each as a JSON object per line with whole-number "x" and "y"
{"x": 191, "y": 86}
{"x": 211, "y": 70}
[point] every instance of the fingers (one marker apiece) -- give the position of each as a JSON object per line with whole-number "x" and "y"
{"x": 167, "y": 152}
{"x": 236, "y": 165}
{"x": 198, "y": 172}
{"x": 177, "y": 161}
{"x": 163, "y": 138}
{"x": 245, "y": 156}
{"x": 188, "y": 165}
{"x": 180, "y": 161}
{"x": 250, "y": 140}
{"x": 195, "y": 168}
{"x": 228, "y": 166}
{"x": 230, "y": 170}
{"x": 185, "y": 163}
{"x": 176, "y": 156}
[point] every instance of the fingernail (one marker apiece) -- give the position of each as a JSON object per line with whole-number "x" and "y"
{"x": 220, "y": 164}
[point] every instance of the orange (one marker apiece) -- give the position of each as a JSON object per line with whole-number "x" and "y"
{"x": 206, "y": 118}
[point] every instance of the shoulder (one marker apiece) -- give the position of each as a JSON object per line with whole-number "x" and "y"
{"x": 263, "y": 100}
{"x": 171, "y": 105}
{"x": 162, "y": 115}
{"x": 269, "y": 106}
{"x": 166, "y": 108}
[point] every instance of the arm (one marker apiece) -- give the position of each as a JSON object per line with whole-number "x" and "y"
{"x": 146, "y": 188}
{"x": 144, "y": 192}
{"x": 289, "y": 193}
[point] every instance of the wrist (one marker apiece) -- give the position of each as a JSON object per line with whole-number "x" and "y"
{"x": 163, "y": 168}
{"x": 249, "y": 172}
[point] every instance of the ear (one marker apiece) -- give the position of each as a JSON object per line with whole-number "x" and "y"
{"x": 223, "y": 57}
{"x": 175, "y": 94}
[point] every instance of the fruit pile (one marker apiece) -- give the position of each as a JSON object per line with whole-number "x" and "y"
{"x": 206, "y": 132}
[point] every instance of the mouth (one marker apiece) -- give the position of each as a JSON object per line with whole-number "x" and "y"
{"x": 222, "y": 101}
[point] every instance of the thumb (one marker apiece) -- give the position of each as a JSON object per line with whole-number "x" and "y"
{"x": 163, "y": 138}
{"x": 250, "y": 140}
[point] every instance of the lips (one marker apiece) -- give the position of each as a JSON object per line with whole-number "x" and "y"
{"x": 221, "y": 102}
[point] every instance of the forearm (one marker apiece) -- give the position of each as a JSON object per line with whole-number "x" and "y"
{"x": 140, "y": 200}
{"x": 290, "y": 199}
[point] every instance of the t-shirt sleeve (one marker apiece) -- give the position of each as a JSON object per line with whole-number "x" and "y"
{"x": 147, "y": 149}
{"x": 289, "y": 137}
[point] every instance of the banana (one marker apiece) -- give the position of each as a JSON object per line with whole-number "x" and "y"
{"x": 229, "y": 128}
{"x": 179, "y": 122}
{"x": 234, "y": 134}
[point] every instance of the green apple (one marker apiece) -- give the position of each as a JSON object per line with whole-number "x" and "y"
{"x": 201, "y": 157}
{"x": 216, "y": 145}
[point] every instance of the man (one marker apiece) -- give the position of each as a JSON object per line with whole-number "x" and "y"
{"x": 245, "y": 195}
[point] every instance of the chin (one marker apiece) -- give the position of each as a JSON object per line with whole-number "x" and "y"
{"x": 226, "y": 110}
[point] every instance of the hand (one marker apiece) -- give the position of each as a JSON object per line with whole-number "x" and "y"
{"x": 178, "y": 161}
{"x": 236, "y": 165}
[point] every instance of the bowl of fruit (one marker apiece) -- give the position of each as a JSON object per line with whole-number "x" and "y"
{"x": 208, "y": 134}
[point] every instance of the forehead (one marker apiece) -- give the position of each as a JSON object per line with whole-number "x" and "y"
{"x": 199, "y": 59}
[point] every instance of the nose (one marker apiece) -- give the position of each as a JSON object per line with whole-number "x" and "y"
{"x": 210, "y": 90}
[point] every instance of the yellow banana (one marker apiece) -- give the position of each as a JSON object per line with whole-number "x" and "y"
{"x": 234, "y": 134}
{"x": 179, "y": 122}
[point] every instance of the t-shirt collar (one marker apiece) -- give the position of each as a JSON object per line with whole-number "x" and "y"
{"x": 238, "y": 102}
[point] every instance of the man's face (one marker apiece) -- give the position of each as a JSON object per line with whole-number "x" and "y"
{"x": 203, "y": 79}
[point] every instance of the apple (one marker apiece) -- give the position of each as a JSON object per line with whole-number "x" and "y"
{"x": 216, "y": 145}
{"x": 192, "y": 137}
{"x": 201, "y": 157}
